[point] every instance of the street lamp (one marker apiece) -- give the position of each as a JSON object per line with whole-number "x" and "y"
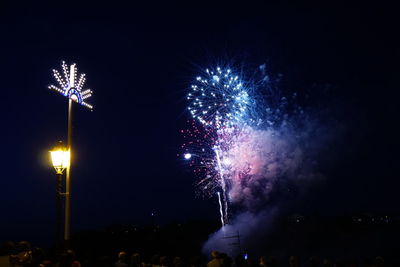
{"x": 60, "y": 158}
{"x": 72, "y": 87}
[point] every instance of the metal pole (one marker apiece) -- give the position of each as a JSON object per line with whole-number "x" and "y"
{"x": 68, "y": 178}
{"x": 58, "y": 210}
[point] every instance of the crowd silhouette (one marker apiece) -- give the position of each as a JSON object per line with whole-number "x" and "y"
{"x": 22, "y": 254}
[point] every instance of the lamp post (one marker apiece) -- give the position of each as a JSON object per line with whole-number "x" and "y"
{"x": 72, "y": 87}
{"x": 60, "y": 158}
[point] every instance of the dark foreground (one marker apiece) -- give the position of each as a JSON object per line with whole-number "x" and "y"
{"x": 362, "y": 240}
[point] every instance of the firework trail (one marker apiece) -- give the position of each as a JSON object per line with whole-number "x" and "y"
{"x": 220, "y": 209}
{"x": 223, "y": 186}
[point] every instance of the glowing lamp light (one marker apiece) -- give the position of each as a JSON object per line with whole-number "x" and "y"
{"x": 188, "y": 156}
{"x": 60, "y": 158}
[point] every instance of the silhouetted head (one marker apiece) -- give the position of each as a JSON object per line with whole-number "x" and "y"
{"x": 122, "y": 256}
{"x": 215, "y": 254}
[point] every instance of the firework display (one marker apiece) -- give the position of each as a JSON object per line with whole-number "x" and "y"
{"x": 238, "y": 146}
{"x": 219, "y": 104}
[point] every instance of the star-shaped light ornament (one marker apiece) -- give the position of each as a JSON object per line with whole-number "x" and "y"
{"x": 70, "y": 86}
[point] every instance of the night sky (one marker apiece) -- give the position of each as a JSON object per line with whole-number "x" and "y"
{"x": 140, "y": 61}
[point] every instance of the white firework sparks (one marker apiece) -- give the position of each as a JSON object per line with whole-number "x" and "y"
{"x": 218, "y": 99}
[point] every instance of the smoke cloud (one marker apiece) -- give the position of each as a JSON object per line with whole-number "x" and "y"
{"x": 263, "y": 165}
